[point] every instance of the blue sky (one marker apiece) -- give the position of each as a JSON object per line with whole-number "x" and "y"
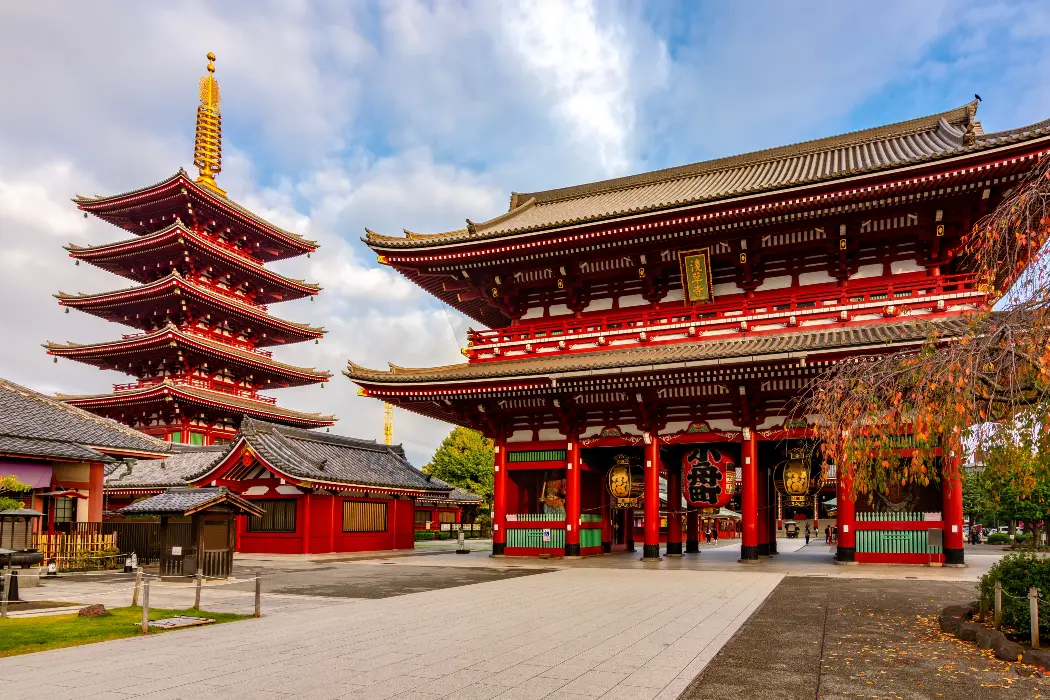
{"x": 419, "y": 115}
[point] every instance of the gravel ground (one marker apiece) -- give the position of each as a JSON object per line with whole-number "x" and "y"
{"x": 820, "y": 637}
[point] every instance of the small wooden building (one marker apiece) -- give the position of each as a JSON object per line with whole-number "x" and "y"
{"x": 213, "y": 530}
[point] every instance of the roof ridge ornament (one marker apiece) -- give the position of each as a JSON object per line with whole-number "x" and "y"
{"x": 207, "y": 143}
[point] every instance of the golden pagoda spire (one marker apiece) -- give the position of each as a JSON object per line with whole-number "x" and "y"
{"x": 207, "y": 144}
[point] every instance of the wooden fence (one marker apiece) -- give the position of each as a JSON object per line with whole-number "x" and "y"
{"x": 92, "y": 539}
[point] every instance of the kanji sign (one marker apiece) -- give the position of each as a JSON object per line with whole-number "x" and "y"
{"x": 696, "y": 275}
{"x": 705, "y": 481}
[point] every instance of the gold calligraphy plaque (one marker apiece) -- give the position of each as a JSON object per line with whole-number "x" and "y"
{"x": 696, "y": 275}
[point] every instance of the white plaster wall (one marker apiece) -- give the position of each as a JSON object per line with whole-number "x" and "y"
{"x": 903, "y": 266}
{"x": 674, "y": 295}
{"x": 534, "y": 312}
{"x": 726, "y": 288}
{"x": 818, "y": 277}
{"x": 559, "y": 310}
{"x": 779, "y": 282}
{"x": 632, "y": 300}
{"x": 865, "y": 271}
{"x": 599, "y": 304}
{"x": 551, "y": 434}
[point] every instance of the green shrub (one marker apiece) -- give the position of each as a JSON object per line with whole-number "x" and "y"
{"x": 998, "y": 538}
{"x": 423, "y": 535}
{"x": 1021, "y": 538}
{"x": 1017, "y": 572}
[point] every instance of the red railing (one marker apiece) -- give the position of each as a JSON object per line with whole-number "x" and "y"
{"x": 208, "y": 384}
{"x": 226, "y": 292}
{"x": 860, "y": 296}
{"x": 214, "y": 240}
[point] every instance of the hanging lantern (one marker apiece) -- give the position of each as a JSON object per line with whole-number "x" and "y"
{"x": 625, "y": 482}
{"x": 798, "y": 478}
{"x": 707, "y": 482}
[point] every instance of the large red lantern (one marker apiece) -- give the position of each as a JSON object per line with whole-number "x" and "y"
{"x": 709, "y": 475}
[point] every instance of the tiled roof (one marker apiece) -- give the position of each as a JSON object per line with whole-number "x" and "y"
{"x": 165, "y": 285}
{"x": 92, "y": 203}
{"x": 882, "y": 148}
{"x": 41, "y": 426}
{"x": 184, "y": 501}
{"x": 108, "y": 348}
{"x": 457, "y": 496}
{"x": 98, "y": 254}
{"x": 177, "y": 469}
{"x": 324, "y": 457}
{"x": 643, "y": 358}
{"x": 192, "y": 393}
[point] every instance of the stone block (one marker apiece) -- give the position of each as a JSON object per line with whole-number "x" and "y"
{"x": 989, "y": 639}
{"x": 950, "y": 624}
{"x": 97, "y": 610}
{"x": 1037, "y": 657}
{"x": 1009, "y": 651}
{"x": 962, "y": 611}
{"x": 968, "y": 631}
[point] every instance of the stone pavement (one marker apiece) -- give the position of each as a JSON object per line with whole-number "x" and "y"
{"x": 574, "y": 633}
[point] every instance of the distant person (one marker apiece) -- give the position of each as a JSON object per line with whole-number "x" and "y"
{"x": 714, "y": 534}
{"x": 807, "y": 533}
{"x": 827, "y": 534}
{"x": 707, "y": 534}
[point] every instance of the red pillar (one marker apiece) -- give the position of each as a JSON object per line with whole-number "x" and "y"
{"x": 651, "y": 547}
{"x": 749, "y": 497}
{"x": 674, "y": 510}
{"x": 333, "y": 524}
{"x": 846, "y": 519}
{"x": 499, "y": 500}
{"x": 952, "y": 512}
{"x": 692, "y": 530}
{"x": 95, "y": 479}
{"x": 572, "y": 499}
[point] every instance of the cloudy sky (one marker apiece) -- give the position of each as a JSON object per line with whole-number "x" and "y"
{"x": 418, "y": 115}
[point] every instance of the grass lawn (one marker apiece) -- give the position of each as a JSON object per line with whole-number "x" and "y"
{"x": 26, "y": 635}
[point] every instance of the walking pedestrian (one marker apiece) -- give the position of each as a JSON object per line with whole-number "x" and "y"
{"x": 807, "y": 533}
{"x": 827, "y": 534}
{"x": 714, "y": 533}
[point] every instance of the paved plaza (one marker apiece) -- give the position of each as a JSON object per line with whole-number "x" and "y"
{"x": 437, "y": 625}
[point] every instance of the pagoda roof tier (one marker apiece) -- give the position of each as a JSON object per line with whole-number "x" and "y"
{"x": 148, "y": 306}
{"x": 905, "y": 145}
{"x": 172, "y": 344}
{"x": 155, "y": 207}
{"x": 154, "y": 255}
{"x": 548, "y": 370}
{"x": 165, "y": 391}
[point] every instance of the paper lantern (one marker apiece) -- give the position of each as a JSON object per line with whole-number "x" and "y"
{"x": 706, "y": 480}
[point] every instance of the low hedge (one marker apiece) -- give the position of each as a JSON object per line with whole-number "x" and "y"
{"x": 998, "y": 538}
{"x": 1017, "y": 572}
{"x": 422, "y": 535}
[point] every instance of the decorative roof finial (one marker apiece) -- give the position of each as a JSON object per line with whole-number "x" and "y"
{"x": 207, "y": 144}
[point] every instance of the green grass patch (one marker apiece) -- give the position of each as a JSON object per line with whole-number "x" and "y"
{"x": 26, "y": 635}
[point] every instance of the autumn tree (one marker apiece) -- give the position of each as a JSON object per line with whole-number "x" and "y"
{"x": 993, "y": 374}
{"x": 465, "y": 459}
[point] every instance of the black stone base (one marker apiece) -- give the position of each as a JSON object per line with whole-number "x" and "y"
{"x": 692, "y": 547}
{"x": 674, "y": 548}
{"x": 572, "y": 550}
{"x": 497, "y": 548}
{"x": 953, "y": 557}
{"x": 606, "y": 547}
{"x": 763, "y": 549}
{"x": 772, "y": 547}
{"x": 845, "y": 554}
{"x": 748, "y": 553}
{"x": 650, "y": 551}
{"x": 630, "y": 546}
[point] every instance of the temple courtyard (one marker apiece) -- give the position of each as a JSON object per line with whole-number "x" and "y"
{"x": 435, "y": 624}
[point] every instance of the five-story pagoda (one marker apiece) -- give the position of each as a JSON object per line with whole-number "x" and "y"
{"x": 200, "y": 305}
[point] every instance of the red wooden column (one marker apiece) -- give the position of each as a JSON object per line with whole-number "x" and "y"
{"x": 846, "y": 520}
{"x": 334, "y": 524}
{"x": 499, "y": 500}
{"x": 572, "y": 499}
{"x": 651, "y": 547}
{"x": 96, "y": 474}
{"x": 674, "y": 510}
{"x": 607, "y": 516}
{"x": 692, "y": 530}
{"x": 764, "y": 511}
{"x": 952, "y": 512}
{"x": 749, "y": 497}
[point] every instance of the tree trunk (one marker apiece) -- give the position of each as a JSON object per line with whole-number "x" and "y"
{"x": 1013, "y": 528}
